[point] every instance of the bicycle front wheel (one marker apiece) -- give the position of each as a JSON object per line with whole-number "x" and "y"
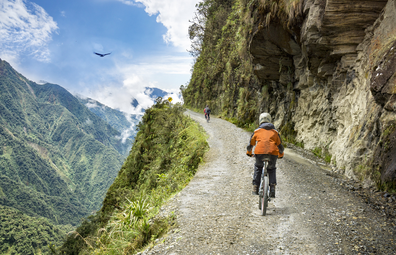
{"x": 264, "y": 200}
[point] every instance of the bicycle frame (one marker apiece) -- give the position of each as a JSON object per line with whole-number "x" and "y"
{"x": 263, "y": 174}
{"x": 264, "y": 187}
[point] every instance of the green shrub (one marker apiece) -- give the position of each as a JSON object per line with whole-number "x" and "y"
{"x": 164, "y": 157}
{"x": 317, "y": 152}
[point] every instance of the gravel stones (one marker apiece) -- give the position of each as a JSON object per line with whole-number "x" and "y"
{"x": 312, "y": 213}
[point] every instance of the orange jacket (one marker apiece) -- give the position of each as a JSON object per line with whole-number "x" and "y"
{"x": 267, "y": 141}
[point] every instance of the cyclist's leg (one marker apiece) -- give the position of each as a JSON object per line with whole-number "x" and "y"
{"x": 271, "y": 169}
{"x": 258, "y": 168}
{"x": 272, "y": 174}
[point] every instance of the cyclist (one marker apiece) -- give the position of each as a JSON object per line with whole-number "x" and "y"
{"x": 268, "y": 142}
{"x": 207, "y": 112}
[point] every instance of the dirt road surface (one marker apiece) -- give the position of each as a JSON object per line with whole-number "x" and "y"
{"x": 311, "y": 214}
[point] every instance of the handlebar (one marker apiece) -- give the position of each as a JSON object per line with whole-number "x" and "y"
{"x": 255, "y": 155}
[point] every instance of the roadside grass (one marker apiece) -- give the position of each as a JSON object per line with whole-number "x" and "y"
{"x": 165, "y": 156}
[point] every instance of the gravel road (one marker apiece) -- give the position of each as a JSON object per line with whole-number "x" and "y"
{"x": 312, "y": 212}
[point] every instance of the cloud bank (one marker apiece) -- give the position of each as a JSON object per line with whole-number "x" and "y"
{"x": 174, "y": 15}
{"x": 25, "y": 28}
{"x": 131, "y": 80}
{"x": 123, "y": 97}
{"x": 129, "y": 132}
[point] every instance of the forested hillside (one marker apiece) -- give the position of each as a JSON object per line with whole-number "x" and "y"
{"x": 165, "y": 155}
{"x": 57, "y": 159}
{"x": 22, "y": 234}
{"x": 324, "y": 70}
{"x": 122, "y": 122}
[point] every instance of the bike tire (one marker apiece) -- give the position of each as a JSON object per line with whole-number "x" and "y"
{"x": 264, "y": 200}
{"x": 260, "y": 201}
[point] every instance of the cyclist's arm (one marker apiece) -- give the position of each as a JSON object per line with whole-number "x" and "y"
{"x": 252, "y": 142}
{"x": 280, "y": 147}
{"x": 279, "y": 144}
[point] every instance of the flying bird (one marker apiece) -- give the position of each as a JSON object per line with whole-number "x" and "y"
{"x": 102, "y": 55}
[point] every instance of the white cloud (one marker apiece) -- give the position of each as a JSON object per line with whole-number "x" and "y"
{"x": 130, "y": 2}
{"x": 97, "y": 47}
{"x": 126, "y": 133}
{"x": 25, "y": 28}
{"x": 135, "y": 78}
{"x": 121, "y": 97}
{"x": 157, "y": 65}
{"x": 91, "y": 103}
{"x": 174, "y": 15}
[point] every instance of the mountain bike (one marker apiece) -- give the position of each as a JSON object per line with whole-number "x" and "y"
{"x": 207, "y": 117}
{"x": 264, "y": 187}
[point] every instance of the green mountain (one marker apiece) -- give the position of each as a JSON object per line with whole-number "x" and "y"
{"x": 57, "y": 158}
{"x": 122, "y": 122}
{"x": 165, "y": 155}
{"x": 22, "y": 234}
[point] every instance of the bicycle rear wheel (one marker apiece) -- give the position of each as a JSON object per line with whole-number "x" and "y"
{"x": 260, "y": 201}
{"x": 264, "y": 199}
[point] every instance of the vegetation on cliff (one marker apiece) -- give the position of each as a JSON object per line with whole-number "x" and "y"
{"x": 223, "y": 75}
{"x": 310, "y": 65}
{"x": 165, "y": 155}
{"x": 57, "y": 159}
{"x": 22, "y": 234}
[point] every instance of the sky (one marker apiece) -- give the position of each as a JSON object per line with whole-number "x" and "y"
{"x": 54, "y": 41}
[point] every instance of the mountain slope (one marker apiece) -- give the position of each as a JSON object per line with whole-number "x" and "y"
{"x": 22, "y": 234}
{"x": 57, "y": 158}
{"x": 165, "y": 155}
{"x": 122, "y": 122}
{"x": 54, "y": 145}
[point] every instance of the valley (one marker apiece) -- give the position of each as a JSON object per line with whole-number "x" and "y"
{"x": 80, "y": 177}
{"x": 57, "y": 158}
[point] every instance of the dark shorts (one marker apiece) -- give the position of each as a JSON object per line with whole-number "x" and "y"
{"x": 258, "y": 168}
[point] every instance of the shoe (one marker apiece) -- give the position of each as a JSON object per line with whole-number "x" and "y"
{"x": 255, "y": 190}
{"x": 272, "y": 191}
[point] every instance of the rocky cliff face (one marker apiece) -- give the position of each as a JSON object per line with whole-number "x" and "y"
{"x": 333, "y": 78}
{"x": 324, "y": 69}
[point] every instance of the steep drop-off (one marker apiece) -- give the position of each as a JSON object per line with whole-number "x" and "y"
{"x": 122, "y": 122}
{"x": 324, "y": 69}
{"x": 165, "y": 155}
{"x": 57, "y": 159}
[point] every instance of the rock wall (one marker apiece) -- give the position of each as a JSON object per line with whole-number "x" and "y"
{"x": 333, "y": 78}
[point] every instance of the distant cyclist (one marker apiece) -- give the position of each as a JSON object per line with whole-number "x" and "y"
{"x": 207, "y": 112}
{"x": 268, "y": 142}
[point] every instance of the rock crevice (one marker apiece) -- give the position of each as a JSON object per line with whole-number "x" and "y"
{"x": 339, "y": 74}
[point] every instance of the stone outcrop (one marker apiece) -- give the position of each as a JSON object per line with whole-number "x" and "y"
{"x": 334, "y": 80}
